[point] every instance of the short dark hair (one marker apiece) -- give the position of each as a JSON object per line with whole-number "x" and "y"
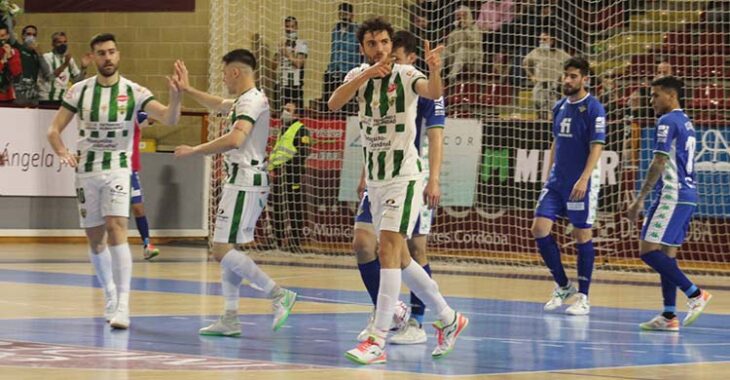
{"x": 671, "y": 83}
{"x": 241, "y": 56}
{"x": 372, "y": 25}
{"x": 101, "y": 38}
{"x": 28, "y": 27}
{"x": 291, "y": 18}
{"x": 579, "y": 63}
{"x": 347, "y": 7}
{"x": 406, "y": 40}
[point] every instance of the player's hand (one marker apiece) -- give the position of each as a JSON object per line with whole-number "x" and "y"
{"x": 184, "y": 151}
{"x": 432, "y": 194}
{"x": 579, "y": 190}
{"x": 68, "y": 158}
{"x": 381, "y": 68}
{"x": 361, "y": 186}
{"x": 432, "y": 57}
{"x": 634, "y": 210}
{"x": 86, "y": 59}
{"x": 67, "y": 59}
{"x": 7, "y": 51}
{"x": 181, "y": 77}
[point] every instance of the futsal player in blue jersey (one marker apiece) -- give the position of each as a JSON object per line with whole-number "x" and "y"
{"x": 671, "y": 176}
{"x": 431, "y": 116}
{"x": 579, "y": 133}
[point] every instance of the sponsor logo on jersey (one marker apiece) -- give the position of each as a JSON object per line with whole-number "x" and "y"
{"x": 122, "y": 98}
{"x": 662, "y": 132}
{"x": 576, "y": 206}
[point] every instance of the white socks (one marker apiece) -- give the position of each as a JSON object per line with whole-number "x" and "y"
{"x": 242, "y": 265}
{"x": 230, "y": 286}
{"x": 416, "y": 279}
{"x": 102, "y": 262}
{"x": 390, "y": 280}
{"x": 122, "y": 269}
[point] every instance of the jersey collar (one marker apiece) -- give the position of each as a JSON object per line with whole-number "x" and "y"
{"x": 578, "y": 101}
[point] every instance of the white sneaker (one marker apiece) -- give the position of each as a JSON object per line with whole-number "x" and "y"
{"x": 580, "y": 307}
{"x": 447, "y": 334}
{"x": 120, "y": 320}
{"x": 227, "y": 325}
{"x": 560, "y": 295}
{"x": 413, "y": 333}
{"x": 371, "y": 351}
{"x": 659, "y": 323}
{"x": 400, "y": 321}
{"x": 282, "y": 305}
{"x": 696, "y": 306}
{"x": 110, "y": 306}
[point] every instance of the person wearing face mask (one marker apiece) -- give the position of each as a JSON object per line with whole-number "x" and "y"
{"x": 344, "y": 53}
{"x": 463, "y": 53}
{"x": 10, "y": 66}
{"x": 287, "y": 165}
{"x": 544, "y": 66}
{"x": 26, "y": 85}
{"x": 290, "y": 60}
{"x": 59, "y": 70}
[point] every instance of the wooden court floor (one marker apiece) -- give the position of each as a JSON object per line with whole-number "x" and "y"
{"x": 51, "y": 325}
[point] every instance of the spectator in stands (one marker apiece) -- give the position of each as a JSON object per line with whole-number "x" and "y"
{"x": 287, "y": 164}
{"x": 463, "y": 54}
{"x": 26, "y": 85}
{"x": 290, "y": 60}
{"x": 544, "y": 66}
{"x": 641, "y": 109}
{"x": 345, "y": 50}
{"x": 10, "y": 66}
{"x": 495, "y": 13}
{"x": 59, "y": 70}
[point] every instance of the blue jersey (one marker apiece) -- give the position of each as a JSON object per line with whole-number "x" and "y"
{"x": 429, "y": 114}
{"x": 675, "y": 138}
{"x": 575, "y": 127}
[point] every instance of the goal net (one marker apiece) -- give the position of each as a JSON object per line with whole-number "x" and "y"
{"x": 502, "y": 65}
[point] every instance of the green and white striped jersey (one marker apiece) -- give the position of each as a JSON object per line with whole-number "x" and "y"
{"x": 54, "y": 87}
{"x": 388, "y": 124}
{"x": 246, "y": 165}
{"x": 107, "y": 115}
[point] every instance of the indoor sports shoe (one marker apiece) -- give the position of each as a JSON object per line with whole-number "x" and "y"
{"x": 365, "y": 333}
{"x": 580, "y": 307}
{"x": 120, "y": 320}
{"x": 695, "y": 307}
{"x": 150, "y": 251}
{"x": 371, "y": 351}
{"x": 559, "y": 296}
{"x": 413, "y": 333}
{"x": 110, "y": 306}
{"x": 659, "y": 323}
{"x": 227, "y": 325}
{"x": 282, "y": 304}
{"x": 446, "y": 335}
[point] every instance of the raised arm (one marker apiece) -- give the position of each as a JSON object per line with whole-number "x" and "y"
{"x": 182, "y": 82}
{"x": 169, "y": 114}
{"x": 347, "y": 91}
{"x": 433, "y": 87}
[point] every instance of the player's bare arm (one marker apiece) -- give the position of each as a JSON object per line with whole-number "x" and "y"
{"x": 347, "y": 91}
{"x": 581, "y": 186}
{"x": 59, "y": 123}
{"x": 655, "y": 172}
{"x": 433, "y": 87}
{"x": 432, "y": 193}
{"x": 231, "y": 140}
{"x": 213, "y": 102}
{"x": 169, "y": 114}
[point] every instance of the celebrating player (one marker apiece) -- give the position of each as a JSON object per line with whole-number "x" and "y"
{"x": 429, "y": 114}
{"x": 246, "y": 186}
{"x": 107, "y": 105}
{"x": 388, "y": 95}
{"x": 671, "y": 175}
{"x": 579, "y": 133}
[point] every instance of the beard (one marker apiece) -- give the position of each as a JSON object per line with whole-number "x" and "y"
{"x": 107, "y": 70}
{"x": 570, "y": 91}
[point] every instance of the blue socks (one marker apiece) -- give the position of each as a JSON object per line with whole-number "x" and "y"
{"x": 370, "y": 273}
{"x": 668, "y": 268}
{"x": 586, "y": 257}
{"x": 669, "y": 293}
{"x": 551, "y": 256}
{"x": 144, "y": 229}
{"x": 418, "y": 308}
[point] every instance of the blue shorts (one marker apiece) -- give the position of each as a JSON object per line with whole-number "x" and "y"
{"x": 136, "y": 189}
{"x": 365, "y": 217}
{"x": 667, "y": 222}
{"x": 581, "y": 214}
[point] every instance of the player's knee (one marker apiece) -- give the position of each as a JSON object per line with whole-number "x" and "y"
{"x": 363, "y": 246}
{"x": 220, "y": 250}
{"x": 539, "y": 230}
{"x": 582, "y": 235}
{"x": 418, "y": 251}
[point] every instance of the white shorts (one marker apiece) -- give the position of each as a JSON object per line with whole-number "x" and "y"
{"x": 238, "y": 212}
{"x": 364, "y": 218}
{"x": 395, "y": 206}
{"x": 105, "y": 194}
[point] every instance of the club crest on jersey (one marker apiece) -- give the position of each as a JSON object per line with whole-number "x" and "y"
{"x": 582, "y": 108}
